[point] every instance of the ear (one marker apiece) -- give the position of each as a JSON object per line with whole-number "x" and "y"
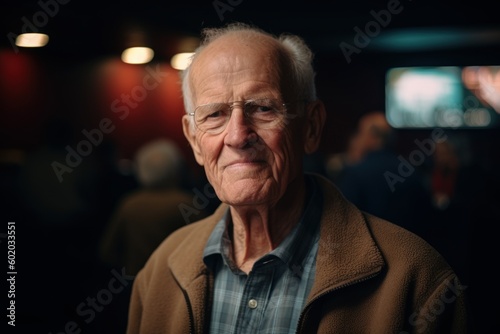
{"x": 313, "y": 129}
{"x": 190, "y": 134}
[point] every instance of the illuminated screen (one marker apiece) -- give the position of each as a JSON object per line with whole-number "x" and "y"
{"x": 448, "y": 97}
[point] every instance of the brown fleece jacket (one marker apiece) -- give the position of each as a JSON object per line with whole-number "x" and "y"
{"x": 371, "y": 277}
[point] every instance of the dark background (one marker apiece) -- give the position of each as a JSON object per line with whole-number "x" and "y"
{"x": 50, "y": 95}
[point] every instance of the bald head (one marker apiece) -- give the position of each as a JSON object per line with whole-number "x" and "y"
{"x": 286, "y": 57}
{"x": 232, "y": 55}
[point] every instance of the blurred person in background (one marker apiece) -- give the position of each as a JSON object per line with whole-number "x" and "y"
{"x": 364, "y": 181}
{"x": 372, "y": 133}
{"x": 148, "y": 215}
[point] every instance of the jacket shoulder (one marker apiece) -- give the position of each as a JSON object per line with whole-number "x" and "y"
{"x": 402, "y": 248}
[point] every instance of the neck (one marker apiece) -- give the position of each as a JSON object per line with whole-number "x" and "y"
{"x": 259, "y": 230}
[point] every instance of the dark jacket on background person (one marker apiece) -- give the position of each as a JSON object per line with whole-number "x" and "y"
{"x": 372, "y": 276}
{"x": 141, "y": 222}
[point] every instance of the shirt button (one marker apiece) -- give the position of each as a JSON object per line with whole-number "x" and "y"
{"x": 252, "y": 303}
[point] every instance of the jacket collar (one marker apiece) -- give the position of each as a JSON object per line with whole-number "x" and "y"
{"x": 191, "y": 274}
{"x": 347, "y": 251}
{"x": 186, "y": 261}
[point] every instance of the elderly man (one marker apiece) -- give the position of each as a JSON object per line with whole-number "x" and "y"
{"x": 285, "y": 252}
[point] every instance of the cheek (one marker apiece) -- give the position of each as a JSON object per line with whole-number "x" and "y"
{"x": 211, "y": 148}
{"x": 287, "y": 151}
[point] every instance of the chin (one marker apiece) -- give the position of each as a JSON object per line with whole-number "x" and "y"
{"x": 246, "y": 192}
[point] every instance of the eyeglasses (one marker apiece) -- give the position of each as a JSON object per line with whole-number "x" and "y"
{"x": 262, "y": 113}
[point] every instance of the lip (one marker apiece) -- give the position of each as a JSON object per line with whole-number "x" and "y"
{"x": 244, "y": 163}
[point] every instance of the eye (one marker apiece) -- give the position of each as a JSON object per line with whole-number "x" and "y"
{"x": 215, "y": 114}
{"x": 259, "y": 106}
{"x": 212, "y": 112}
{"x": 263, "y": 108}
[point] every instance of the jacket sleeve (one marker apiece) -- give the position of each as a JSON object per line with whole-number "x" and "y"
{"x": 444, "y": 311}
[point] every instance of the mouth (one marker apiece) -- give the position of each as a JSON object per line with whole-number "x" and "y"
{"x": 245, "y": 164}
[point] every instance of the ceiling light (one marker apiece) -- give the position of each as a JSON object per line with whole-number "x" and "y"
{"x": 181, "y": 60}
{"x": 137, "y": 55}
{"x": 32, "y": 40}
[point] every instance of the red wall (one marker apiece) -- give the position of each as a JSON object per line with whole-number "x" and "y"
{"x": 128, "y": 104}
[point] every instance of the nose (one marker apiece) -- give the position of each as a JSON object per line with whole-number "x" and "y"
{"x": 239, "y": 132}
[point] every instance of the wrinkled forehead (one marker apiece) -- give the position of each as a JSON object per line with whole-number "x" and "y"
{"x": 240, "y": 55}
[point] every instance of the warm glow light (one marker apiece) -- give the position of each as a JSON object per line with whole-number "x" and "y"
{"x": 32, "y": 40}
{"x": 181, "y": 60}
{"x": 137, "y": 55}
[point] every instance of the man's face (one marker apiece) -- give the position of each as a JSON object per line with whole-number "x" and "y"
{"x": 246, "y": 165}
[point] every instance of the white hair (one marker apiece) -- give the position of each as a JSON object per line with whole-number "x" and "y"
{"x": 158, "y": 164}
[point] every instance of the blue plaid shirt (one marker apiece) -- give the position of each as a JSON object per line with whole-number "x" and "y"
{"x": 271, "y": 297}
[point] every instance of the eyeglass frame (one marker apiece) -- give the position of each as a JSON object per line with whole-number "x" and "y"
{"x": 241, "y": 104}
